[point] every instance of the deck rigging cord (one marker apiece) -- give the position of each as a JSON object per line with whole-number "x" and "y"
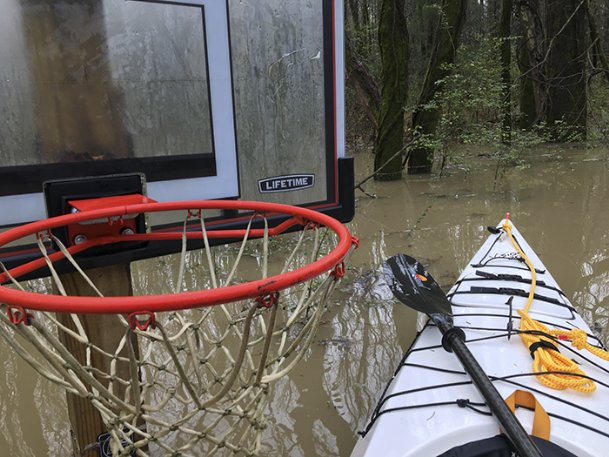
{"x": 546, "y": 356}
{"x": 382, "y": 408}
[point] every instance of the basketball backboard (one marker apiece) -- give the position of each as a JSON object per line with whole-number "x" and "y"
{"x": 202, "y": 99}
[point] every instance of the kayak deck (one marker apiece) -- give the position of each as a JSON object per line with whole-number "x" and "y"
{"x": 431, "y": 406}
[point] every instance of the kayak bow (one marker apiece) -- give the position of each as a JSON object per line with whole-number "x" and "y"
{"x": 431, "y": 406}
{"x": 415, "y": 287}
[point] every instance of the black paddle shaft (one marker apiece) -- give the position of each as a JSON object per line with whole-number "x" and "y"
{"x": 412, "y": 285}
{"x": 512, "y": 427}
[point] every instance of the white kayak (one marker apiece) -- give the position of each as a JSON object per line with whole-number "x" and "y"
{"x": 431, "y": 408}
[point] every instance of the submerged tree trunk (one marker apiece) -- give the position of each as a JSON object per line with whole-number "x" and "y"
{"x": 566, "y": 111}
{"x": 425, "y": 118}
{"x": 393, "y": 43}
{"x": 505, "y": 26}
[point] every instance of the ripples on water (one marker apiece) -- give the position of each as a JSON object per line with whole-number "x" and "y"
{"x": 560, "y": 205}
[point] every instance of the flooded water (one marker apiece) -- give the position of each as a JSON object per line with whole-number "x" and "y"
{"x": 559, "y": 199}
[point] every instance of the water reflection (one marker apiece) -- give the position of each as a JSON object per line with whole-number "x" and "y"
{"x": 137, "y": 83}
{"x": 558, "y": 204}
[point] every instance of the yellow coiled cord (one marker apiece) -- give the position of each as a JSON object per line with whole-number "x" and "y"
{"x": 546, "y": 359}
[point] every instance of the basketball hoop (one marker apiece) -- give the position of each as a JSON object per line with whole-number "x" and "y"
{"x": 199, "y": 363}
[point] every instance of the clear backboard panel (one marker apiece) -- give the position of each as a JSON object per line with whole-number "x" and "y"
{"x": 204, "y": 99}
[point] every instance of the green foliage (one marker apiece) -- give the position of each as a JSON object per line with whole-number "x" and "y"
{"x": 472, "y": 99}
{"x": 471, "y": 106}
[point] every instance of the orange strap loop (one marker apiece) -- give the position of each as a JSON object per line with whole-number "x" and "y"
{"x": 541, "y": 420}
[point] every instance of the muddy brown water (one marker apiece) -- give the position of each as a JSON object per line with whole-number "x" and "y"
{"x": 558, "y": 198}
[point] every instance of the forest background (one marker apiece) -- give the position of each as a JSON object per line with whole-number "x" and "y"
{"x": 426, "y": 77}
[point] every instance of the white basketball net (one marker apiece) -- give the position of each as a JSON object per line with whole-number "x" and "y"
{"x": 195, "y": 383}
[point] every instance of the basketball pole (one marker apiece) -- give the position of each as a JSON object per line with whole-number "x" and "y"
{"x": 93, "y": 131}
{"x": 115, "y": 280}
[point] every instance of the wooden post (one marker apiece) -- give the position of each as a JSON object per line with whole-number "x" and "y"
{"x": 104, "y": 332}
{"x": 79, "y": 117}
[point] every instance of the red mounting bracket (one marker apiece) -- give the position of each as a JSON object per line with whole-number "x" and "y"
{"x": 125, "y": 225}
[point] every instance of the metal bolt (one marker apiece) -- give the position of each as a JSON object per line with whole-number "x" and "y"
{"x": 127, "y": 231}
{"x": 79, "y": 239}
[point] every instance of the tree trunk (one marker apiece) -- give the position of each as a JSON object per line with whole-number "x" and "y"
{"x": 532, "y": 57}
{"x": 393, "y": 43}
{"x": 476, "y": 17}
{"x": 361, "y": 79}
{"x": 421, "y": 29}
{"x": 597, "y": 41}
{"x": 103, "y": 332}
{"x": 505, "y": 26}
{"x": 353, "y": 7}
{"x": 365, "y": 23}
{"x": 528, "y": 108}
{"x": 425, "y": 118}
{"x": 566, "y": 110}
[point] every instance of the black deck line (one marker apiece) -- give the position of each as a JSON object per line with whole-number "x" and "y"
{"x": 599, "y": 344}
{"x": 507, "y": 292}
{"x": 507, "y": 379}
{"x": 519, "y": 279}
{"x": 516, "y": 332}
{"x": 515, "y": 317}
{"x": 486, "y": 265}
{"x": 406, "y": 354}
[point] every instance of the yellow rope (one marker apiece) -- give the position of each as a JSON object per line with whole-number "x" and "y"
{"x": 547, "y": 359}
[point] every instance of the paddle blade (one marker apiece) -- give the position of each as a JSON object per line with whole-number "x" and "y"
{"x": 411, "y": 284}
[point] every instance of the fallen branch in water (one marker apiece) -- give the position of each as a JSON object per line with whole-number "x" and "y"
{"x": 379, "y": 169}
